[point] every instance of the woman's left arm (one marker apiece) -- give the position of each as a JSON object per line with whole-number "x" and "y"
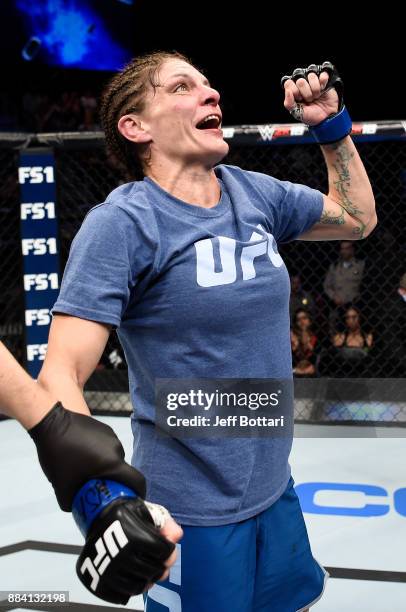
{"x": 349, "y": 208}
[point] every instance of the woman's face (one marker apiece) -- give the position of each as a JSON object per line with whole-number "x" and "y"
{"x": 174, "y": 113}
{"x": 352, "y": 319}
{"x": 303, "y": 320}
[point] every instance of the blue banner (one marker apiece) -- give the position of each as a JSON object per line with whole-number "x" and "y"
{"x": 39, "y": 246}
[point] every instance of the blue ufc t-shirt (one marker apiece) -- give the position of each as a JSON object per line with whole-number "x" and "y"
{"x": 195, "y": 293}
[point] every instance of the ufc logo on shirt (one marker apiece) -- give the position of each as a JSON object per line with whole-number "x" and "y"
{"x": 206, "y": 274}
{"x": 114, "y": 540}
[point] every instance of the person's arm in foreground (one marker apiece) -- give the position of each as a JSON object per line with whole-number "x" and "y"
{"x": 78, "y": 451}
{"x": 20, "y": 396}
{"x": 349, "y": 207}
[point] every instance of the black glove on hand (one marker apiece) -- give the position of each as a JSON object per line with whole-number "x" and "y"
{"x": 74, "y": 448}
{"x": 124, "y": 552}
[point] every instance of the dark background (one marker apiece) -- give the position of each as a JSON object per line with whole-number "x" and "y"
{"x": 245, "y": 49}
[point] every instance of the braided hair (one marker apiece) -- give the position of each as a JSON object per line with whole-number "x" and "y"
{"x": 126, "y": 93}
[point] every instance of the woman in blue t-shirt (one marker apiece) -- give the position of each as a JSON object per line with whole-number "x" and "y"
{"x": 185, "y": 265}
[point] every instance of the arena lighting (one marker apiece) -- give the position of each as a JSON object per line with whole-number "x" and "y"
{"x": 78, "y": 34}
{"x": 31, "y": 49}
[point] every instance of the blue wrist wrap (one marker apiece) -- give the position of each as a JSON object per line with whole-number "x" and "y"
{"x": 333, "y": 128}
{"x": 93, "y": 497}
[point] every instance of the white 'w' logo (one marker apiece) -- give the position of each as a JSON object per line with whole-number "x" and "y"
{"x": 266, "y": 131}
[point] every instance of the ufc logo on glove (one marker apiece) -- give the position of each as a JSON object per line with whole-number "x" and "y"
{"x": 114, "y": 539}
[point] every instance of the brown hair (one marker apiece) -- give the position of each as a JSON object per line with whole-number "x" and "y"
{"x": 296, "y": 327}
{"x": 126, "y": 93}
{"x": 355, "y": 309}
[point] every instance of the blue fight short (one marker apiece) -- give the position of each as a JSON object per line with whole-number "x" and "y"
{"x": 262, "y": 564}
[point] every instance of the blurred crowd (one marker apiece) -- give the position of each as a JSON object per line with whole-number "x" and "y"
{"x": 347, "y": 328}
{"x": 40, "y": 112}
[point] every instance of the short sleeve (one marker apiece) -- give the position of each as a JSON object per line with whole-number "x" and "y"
{"x": 104, "y": 261}
{"x": 294, "y": 208}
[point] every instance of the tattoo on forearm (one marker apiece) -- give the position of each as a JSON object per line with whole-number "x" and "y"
{"x": 359, "y": 231}
{"x": 297, "y": 112}
{"x": 342, "y": 185}
{"x": 328, "y": 218}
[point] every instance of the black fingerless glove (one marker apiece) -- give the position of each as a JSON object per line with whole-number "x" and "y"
{"x": 124, "y": 552}
{"x": 337, "y": 126}
{"x": 334, "y": 80}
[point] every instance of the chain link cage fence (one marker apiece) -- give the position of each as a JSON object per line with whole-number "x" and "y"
{"x": 11, "y": 294}
{"x": 368, "y": 378}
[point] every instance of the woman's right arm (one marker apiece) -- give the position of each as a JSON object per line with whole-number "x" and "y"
{"x": 74, "y": 349}
{"x": 20, "y": 396}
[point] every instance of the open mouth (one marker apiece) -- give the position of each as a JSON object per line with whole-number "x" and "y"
{"x": 211, "y": 122}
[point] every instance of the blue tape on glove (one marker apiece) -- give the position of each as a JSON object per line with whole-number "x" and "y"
{"x": 93, "y": 497}
{"x": 333, "y": 128}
